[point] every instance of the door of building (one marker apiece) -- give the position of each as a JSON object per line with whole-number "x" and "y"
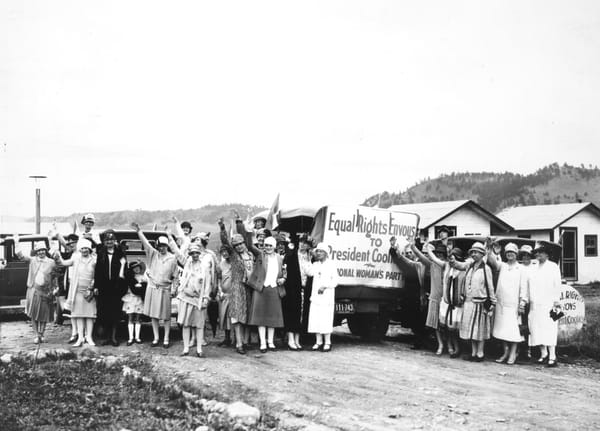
{"x": 568, "y": 261}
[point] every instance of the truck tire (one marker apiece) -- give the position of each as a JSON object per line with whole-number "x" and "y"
{"x": 372, "y": 327}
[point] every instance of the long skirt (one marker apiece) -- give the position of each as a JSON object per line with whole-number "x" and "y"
{"x": 82, "y": 308}
{"x": 224, "y": 319}
{"x": 266, "y": 308}
{"x": 291, "y": 305}
{"x": 433, "y": 314}
{"x": 543, "y": 330}
{"x": 190, "y": 315}
{"x": 39, "y": 306}
{"x": 506, "y": 324}
{"x": 475, "y": 323}
{"x": 320, "y": 317}
{"x": 157, "y": 303}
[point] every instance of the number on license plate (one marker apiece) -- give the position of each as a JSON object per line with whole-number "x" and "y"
{"x": 344, "y": 307}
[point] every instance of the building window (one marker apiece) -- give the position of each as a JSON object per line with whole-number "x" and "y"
{"x": 591, "y": 245}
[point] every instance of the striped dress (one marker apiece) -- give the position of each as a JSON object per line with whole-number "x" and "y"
{"x": 476, "y": 324}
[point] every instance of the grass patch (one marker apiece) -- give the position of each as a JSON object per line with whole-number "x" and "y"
{"x": 84, "y": 395}
{"x": 588, "y": 341}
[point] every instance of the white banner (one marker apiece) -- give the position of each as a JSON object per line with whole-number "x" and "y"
{"x": 358, "y": 239}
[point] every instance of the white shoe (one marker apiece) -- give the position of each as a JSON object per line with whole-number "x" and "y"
{"x": 79, "y": 343}
{"x": 90, "y": 341}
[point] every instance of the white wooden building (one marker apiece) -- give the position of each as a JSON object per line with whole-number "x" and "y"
{"x": 462, "y": 218}
{"x": 575, "y": 226}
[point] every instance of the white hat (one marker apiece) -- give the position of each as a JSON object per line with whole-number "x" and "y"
{"x": 162, "y": 240}
{"x": 478, "y": 247}
{"x": 88, "y": 217}
{"x": 511, "y": 247}
{"x": 40, "y": 245}
{"x": 84, "y": 243}
{"x": 271, "y": 241}
{"x": 321, "y": 246}
{"x": 194, "y": 248}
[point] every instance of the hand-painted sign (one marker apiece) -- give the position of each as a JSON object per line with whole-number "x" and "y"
{"x": 572, "y": 322}
{"x": 358, "y": 241}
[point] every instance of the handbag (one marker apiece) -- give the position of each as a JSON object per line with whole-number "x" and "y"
{"x": 89, "y": 294}
{"x": 281, "y": 291}
{"x": 554, "y": 315}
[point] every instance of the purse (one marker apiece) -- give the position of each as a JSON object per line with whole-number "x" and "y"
{"x": 281, "y": 291}
{"x": 554, "y": 315}
{"x": 487, "y": 304}
{"x": 89, "y": 295}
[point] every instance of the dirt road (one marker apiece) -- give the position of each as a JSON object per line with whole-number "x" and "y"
{"x": 381, "y": 386}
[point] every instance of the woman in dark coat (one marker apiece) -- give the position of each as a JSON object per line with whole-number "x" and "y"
{"x": 109, "y": 279}
{"x": 297, "y": 280}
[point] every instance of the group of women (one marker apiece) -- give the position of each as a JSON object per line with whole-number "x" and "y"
{"x": 260, "y": 282}
{"x": 465, "y": 302}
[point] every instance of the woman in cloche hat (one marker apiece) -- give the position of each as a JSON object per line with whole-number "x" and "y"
{"x": 39, "y": 299}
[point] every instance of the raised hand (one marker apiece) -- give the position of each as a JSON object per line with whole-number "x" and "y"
{"x": 220, "y": 221}
{"x": 135, "y": 226}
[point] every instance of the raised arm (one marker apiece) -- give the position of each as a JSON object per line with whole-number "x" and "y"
{"x": 18, "y": 250}
{"x": 402, "y": 261}
{"x": 147, "y": 246}
{"x": 420, "y": 255}
{"x": 432, "y": 257}
{"x": 241, "y": 229}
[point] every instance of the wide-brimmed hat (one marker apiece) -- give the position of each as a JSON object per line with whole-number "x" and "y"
{"x": 478, "y": 247}
{"x": 511, "y": 247}
{"x": 526, "y": 249}
{"x": 84, "y": 243}
{"x": 40, "y": 245}
{"x": 457, "y": 253}
{"x": 72, "y": 238}
{"x": 88, "y": 217}
{"x": 162, "y": 240}
{"x": 540, "y": 247}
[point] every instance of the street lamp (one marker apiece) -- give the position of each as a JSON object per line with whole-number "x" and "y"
{"x": 38, "y": 219}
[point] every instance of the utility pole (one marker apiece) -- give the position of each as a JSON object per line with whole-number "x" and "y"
{"x": 38, "y": 194}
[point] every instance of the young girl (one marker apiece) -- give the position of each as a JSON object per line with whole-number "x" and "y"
{"x": 39, "y": 305}
{"x": 133, "y": 302}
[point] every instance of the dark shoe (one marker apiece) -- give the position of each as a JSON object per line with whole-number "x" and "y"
{"x": 200, "y": 354}
{"x": 115, "y": 343}
{"x": 272, "y": 348}
{"x": 154, "y": 344}
{"x": 292, "y": 348}
{"x": 543, "y": 360}
{"x": 327, "y": 347}
{"x": 138, "y": 341}
{"x": 478, "y": 359}
{"x": 184, "y": 353}
{"x": 166, "y": 345}
{"x": 129, "y": 342}
{"x": 454, "y": 355}
{"x": 240, "y": 350}
{"x": 552, "y": 363}
{"x": 224, "y": 343}
{"x": 263, "y": 350}
{"x": 72, "y": 339}
{"x": 316, "y": 347}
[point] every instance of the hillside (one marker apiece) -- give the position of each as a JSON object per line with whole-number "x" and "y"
{"x": 495, "y": 191}
{"x": 201, "y": 218}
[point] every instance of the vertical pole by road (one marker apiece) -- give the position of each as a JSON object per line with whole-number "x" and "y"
{"x": 38, "y": 218}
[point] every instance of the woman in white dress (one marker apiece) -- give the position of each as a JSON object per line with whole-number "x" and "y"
{"x": 506, "y": 314}
{"x": 322, "y": 298}
{"x": 542, "y": 293}
{"x": 82, "y": 295}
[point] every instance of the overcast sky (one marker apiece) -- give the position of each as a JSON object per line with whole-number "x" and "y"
{"x": 165, "y": 105}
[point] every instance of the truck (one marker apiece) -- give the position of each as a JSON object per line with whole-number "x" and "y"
{"x": 371, "y": 286}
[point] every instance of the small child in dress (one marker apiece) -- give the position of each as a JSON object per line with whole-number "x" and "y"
{"x": 133, "y": 301}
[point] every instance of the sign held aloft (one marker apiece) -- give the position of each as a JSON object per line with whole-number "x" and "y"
{"x": 358, "y": 239}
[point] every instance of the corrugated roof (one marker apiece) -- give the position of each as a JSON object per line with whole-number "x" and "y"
{"x": 430, "y": 212}
{"x": 536, "y": 217}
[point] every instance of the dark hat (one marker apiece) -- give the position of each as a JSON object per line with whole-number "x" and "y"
{"x": 186, "y": 224}
{"x": 540, "y": 247}
{"x": 72, "y": 237}
{"x": 107, "y": 234}
{"x": 443, "y": 228}
{"x": 137, "y": 263}
{"x": 440, "y": 248}
{"x": 457, "y": 253}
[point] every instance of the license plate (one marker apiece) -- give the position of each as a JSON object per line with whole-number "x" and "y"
{"x": 344, "y": 308}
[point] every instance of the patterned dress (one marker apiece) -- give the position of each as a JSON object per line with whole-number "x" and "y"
{"x": 162, "y": 274}
{"x": 195, "y": 285}
{"x": 39, "y": 299}
{"x": 476, "y": 323}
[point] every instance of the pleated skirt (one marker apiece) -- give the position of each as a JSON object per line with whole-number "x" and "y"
{"x": 475, "y": 323}
{"x": 433, "y": 314}
{"x": 38, "y": 306}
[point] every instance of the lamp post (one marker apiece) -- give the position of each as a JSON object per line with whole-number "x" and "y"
{"x": 38, "y": 219}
